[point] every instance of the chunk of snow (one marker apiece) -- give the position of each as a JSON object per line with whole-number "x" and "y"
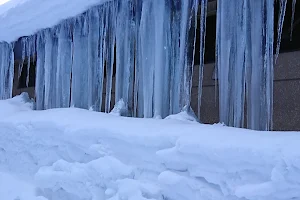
{"x": 120, "y": 109}
{"x": 82, "y": 180}
{"x": 187, "y": 114}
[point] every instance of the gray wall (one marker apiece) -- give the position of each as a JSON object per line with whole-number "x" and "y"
{"x": 286, "y": 93}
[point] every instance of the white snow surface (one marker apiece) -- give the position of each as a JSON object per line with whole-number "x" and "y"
{"x": 25, "y": 17}
{"x": 74, "y": 154}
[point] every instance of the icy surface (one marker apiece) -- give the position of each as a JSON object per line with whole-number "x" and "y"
{"x": 18, "y": 18}
{"x": 74, "y": 154}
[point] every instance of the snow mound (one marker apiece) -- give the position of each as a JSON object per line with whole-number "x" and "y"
{"x": 187, "y": 114}
{"x": 15, "y": 105}
{"x": 120, "y": 109}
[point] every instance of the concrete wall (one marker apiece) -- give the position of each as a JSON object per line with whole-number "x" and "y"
{"x": 286, "y": 93}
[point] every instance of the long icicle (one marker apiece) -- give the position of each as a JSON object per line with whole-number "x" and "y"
{"x": 40, "y": 72}
{"x": 203, "y": 16}
{"x": 109, "y": 50}
{"x": 6, "y": 70}
{"x": 293, "y": 17}
{"x": 280, "y": 26}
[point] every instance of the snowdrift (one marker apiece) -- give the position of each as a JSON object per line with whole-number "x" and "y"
{"x": 74, "y": 154}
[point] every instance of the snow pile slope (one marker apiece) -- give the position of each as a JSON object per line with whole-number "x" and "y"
{"x": 74, "y": 154}
{"x": 15, "y": 105}
{"x": 243, "y": 164}
{"x": 12, "y": 189}
{"x": 25, "y": 17}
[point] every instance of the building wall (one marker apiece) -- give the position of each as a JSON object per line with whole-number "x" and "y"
{"x": 286, "y": 92}
{"x": 16, "y": 89}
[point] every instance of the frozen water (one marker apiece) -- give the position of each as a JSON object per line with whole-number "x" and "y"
{"x": 245, "y": 62}
{"x": 293, "y": 18}
{"x": 280, "y": 25}
{"x": 6, "y": 70}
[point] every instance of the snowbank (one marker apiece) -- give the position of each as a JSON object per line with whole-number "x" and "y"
{"x": 25, "y": 17}
{"x": 74, "y": 154}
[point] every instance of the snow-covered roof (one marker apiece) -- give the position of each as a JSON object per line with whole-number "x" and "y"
{"x": 25, "y": 17}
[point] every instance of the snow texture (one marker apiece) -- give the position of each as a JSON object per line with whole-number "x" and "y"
{"x": 24, "y": 18}
{"x": 74, "y": 154}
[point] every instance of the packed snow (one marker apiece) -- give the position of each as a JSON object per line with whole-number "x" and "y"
{"x": 75, "y": 154}
{"x": 23, "y": 18}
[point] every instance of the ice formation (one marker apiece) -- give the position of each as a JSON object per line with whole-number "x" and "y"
{"x": 280, "y": 25}
{"x": 143, "y": 53}
{"x": 203, "y": 15}
{"x": 293, "y": 17}
{"x": 6, "y": 70}
{"x": 147, "y": 42}
{"x": 245, "y": 62}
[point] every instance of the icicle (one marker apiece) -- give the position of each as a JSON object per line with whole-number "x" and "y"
{"x": 93, "y": 60}
{"x": 6, "y": 70}
{"x": 166, "y": 61}
{"x": 28, "y": 55}
{"x": 40, "y": 72}
{"x": 100, "y": 69}
{"x": 64, "y": 65}
{"x": 50, "y": 66}
{"x": 260, "y": 66}
{"x": 125, "y": 53}
{"x": 182, "y": 68}
{"x": 192, "y": 16}
{"x": 138, "y": 95}
{"x": 293, "y": 17}
{"x": 280, "y": 26}
{"x": 159, "y": 59}
{"x": 175, "y": 51}
{"x": 231, "y": 50}
{"x": 109, "y": 48}
{"x": 23, "y": 44}
{"x": 147, "y": 56}
{"x": 181, "y": 59}
{"x": 202, "y": 50}
{"x": 79, "y": 94}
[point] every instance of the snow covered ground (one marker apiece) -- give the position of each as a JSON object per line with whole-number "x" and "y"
{"x": 25, "y": 17}
{"x": 74, "y": 154}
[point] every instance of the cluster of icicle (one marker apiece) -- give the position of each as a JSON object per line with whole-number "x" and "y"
{"x": 6, "y": 70}
{"x": 245, "y": 40}
{"x": 144, "y": 50}
{"x": 150, "y": 41}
